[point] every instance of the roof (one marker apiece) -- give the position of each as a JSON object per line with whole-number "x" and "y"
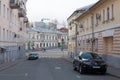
{"x": 81, "y": 10}
{"x": 85, "y": 7}
{"x": 92, "y": 7}
{"x": 43, "y": 28}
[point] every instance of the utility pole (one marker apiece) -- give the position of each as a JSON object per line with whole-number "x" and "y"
{"x": 92, "y": 19}
{"x": 75, "y": 39}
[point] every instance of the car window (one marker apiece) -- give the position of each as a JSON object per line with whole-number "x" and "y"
{"x": 96, "y": 56}
{"x": 90, "y": 56}
{"x": 33, "y": 54}
{"x": 86, "y": 55}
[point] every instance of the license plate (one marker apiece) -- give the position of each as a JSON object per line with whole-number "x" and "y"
{"x": 96, "y": 66}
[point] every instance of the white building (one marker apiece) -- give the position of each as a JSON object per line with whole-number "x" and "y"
{"x": 44, "y": 35}
{"x": 13, "y": 22}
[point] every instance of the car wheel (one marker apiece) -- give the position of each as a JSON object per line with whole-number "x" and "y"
{"x": 74, "y": 67}
{"x": 81, "y": 70}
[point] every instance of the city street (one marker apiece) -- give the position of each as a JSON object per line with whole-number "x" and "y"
{"x": 50, "y": 66}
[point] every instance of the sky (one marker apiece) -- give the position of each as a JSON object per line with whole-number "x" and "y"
{"x": 54, "y": 9}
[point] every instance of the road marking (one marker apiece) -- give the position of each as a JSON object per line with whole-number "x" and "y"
{"x": 77, "y": 76}
{"x": 57, "y": 67}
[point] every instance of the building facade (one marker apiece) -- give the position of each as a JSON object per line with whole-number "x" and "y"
{"x": 43, "y": 35}
{"x": 72, "y": 29}
{"x": 13, "y": 22}
{"x": 98, "y": 30}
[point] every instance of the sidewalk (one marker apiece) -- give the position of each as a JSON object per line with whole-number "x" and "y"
{"x": 110, "y": 71}
{"x": 7, "y": 65}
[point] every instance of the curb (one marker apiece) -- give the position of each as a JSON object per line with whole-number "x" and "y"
{"x": 113, "y": 75}
{"x": 11, "y": 65}
{"x": 106, "y": 72}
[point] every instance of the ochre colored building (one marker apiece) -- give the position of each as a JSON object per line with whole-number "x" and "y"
{"x": 98, "y": 30}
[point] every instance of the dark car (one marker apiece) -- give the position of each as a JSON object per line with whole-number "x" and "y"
{"x": 33, "y": 56}
{"x": 87, "y": 61}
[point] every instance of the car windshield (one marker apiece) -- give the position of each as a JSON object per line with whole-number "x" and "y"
{"x": 33, "y": 54}
{"x": 90, "y": 56}
{"x": 95, "y": 56}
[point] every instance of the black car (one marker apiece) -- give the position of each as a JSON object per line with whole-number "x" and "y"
{"x": 87, "y": 61}
{"x": 33, "y": 56}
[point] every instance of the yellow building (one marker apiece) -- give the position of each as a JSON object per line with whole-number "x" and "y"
{"x": 98, "y": 30}
{"x": 72, "y": 29}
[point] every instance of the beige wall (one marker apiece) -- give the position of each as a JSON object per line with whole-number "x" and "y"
{"x": 106, "y": 31}
{"x": 105, "y": 44}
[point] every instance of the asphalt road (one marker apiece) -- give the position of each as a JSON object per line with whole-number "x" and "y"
{"x": 48, "y": 68}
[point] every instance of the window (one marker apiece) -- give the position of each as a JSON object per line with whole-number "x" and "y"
{"x": 86, "y": 55}
{"x": 7, "y": 13}
{"x": 97, "y": 17}
{"x": 112, "y": 11}
{"x": 10, "y": 15}
{"x": 7, "y": 35}
{"x": 108, "y": 13}
{"x": 0, "y": 7}
{"x": 37, "y": 36}
{"x": 4, "y": 11}
{"x": 3, "y": 34}
{"x": 87, "y": 24}
{"x": 92, "y": 21}
{"x": 83, "y": 25}
{"x": 10, "y": 36}
{"x": 52, "y": 37}
{"x": 103, "y": 15}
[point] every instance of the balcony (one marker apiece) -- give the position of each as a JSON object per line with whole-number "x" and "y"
{"x": 14, "y": 4}
{"x": 21, "y": 12}
{"x": 25, "y": 19}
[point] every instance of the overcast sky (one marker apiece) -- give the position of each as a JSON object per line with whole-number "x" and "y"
{"x": 54, "y": 9}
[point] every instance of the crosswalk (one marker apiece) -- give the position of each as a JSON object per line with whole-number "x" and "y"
{"x": 51, "y": 54}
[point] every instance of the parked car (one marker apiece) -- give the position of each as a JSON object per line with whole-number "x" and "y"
{"x": 33, "y": 56}
{"x": 87, "y": 61}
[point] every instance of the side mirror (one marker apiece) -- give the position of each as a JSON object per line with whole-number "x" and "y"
{"x": 80, "y": 58}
